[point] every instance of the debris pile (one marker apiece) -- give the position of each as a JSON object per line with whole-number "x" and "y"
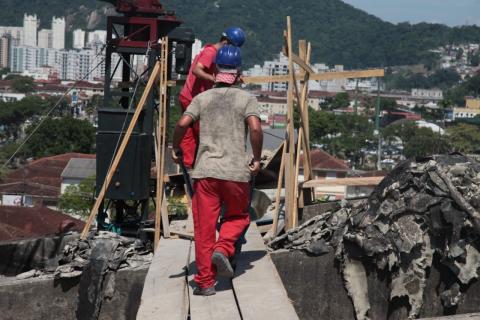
{"x": 420, "y": 209}
{"x": 126, "y": 253}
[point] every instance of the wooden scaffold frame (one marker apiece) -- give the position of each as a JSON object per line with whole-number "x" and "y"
{"x": 292, "y": 152}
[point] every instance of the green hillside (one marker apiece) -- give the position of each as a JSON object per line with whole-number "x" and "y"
{"x": 340, "y": 33}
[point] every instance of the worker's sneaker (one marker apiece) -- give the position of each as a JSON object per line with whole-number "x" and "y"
{"x": 204, "y": 291}
{"x": 224, "y": 268}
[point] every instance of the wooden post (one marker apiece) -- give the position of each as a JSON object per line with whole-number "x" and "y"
{"x": 302, "y": 142}
{"x": 121, "y": 150}
{"x": 161, "y": 210}
{"x": 290, "y": 161}
{"x": 279, "y": 190}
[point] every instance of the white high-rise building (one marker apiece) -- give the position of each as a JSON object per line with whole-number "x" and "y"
{"x": 5, "y": 44}
{"x": 30, "y": 27}
{"x": 45, "y": 38}
{"x": 58, "y": 30}
{"x": 79, "y": 39}
{"x": 97, "y": 36}
{"x": 196, "y": 48}
{"x": 16, "y": 34}
{"x": 23, "y": 58}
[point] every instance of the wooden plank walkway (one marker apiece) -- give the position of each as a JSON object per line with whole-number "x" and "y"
{"x": 220, "y": 306}
{"x": 469, "y": 316}
{"x": 256, "y": 291}
{"x": 165, "y": 290}
{"x": 258, "y": 287}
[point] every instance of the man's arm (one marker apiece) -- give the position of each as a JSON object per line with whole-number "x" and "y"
{"x": 199, "y": 72}
{"x": 256, "y": 140}
{"x": 178, "y": 133}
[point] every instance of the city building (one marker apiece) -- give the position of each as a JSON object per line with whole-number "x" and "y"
{"x": 5, "y": 44}
{"x": 45, "y": 39}
{"x": 78, "y": 39}
{"x": 23, "y": 58}
{"x": 30, "y": 27}
{"x": 15, "y": 33}
{"x": 58, "y": 33}
{"x": 279, "y": 66}
{"x": 432, "y": 94}
{"x": 97, "y": 37}
{"x": 471, "y": 110}
{"x": 196, "y": 48}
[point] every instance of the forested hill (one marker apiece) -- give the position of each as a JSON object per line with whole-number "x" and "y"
{"x": 340, "y": 33}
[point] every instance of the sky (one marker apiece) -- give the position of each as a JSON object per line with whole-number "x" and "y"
{"x": 449, "y": 12}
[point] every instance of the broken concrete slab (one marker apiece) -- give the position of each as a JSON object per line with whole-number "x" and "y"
{"x": 420, "y": 209}
{"x": 315, "y": 286}
{"x": 49, "y": 298}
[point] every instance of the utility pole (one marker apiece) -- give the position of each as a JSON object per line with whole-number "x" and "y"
{"x": 355, "y": 106}
{"x": 377, "y": 128}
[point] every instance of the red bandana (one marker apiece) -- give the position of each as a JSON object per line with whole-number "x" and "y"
{"x": 228, "y": 78}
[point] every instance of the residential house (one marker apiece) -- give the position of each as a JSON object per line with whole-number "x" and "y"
{"x": 25, "y": 223}
{"x": 77, "y": 170}
{"x": 38, "y": 183}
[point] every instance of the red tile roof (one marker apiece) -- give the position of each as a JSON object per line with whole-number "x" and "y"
{"x": 45, "y": 171}
{"x": 20, "y": 223}
{"x": 320, "y": 94}
{"x": 321, "y": 160}
{"x": 271, "y": 100}
{"x": 29, "y": 188}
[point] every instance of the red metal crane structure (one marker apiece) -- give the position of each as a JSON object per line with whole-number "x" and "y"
{"x": 133, "y": 35}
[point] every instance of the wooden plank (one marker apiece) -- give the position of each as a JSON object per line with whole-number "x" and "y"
{"x": 161, "y": 212}
{"x": 279, "y": 190}
{"x": 322, "y": 76}
{"x": 367, "y": 181}
{"x": 290, "y": 160}
{"x": 469, "y": 316}
{"x": 220, "y": 306}
{"x": 303, "y": 64}
{"x": 165, "y": 290}
{"x": 119, "y": 154}
{"x": 258, "y": 287}
{"x": 302, "y": 143}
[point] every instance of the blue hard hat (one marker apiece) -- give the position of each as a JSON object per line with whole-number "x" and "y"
{"x": 229, "y": 57}
{"x": 235, "y": 35}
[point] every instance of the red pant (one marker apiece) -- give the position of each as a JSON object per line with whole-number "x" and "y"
{"x": 209, "y": 196}
{"x": 190, "y": 140}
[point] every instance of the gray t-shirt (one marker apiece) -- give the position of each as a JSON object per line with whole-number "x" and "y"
{"x": 223, "y": 132}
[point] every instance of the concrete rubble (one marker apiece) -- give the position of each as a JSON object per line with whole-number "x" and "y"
{"x": 422, "y": 210}
{"x": 127, "y": 253}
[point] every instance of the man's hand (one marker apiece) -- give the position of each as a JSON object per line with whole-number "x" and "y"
{"x": 254, "y": 167}
{"x": 176, "y": 155}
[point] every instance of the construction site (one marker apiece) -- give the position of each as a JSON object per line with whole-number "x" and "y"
{"x": 403, "y": 244}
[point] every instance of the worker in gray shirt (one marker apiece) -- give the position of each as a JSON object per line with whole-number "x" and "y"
{"x": 223, "y": 168}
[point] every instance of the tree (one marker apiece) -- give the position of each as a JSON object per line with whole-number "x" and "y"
{"x": 464, "y": 138}
{"x": 341, "y": 101}
{"x": 78, "y": 199}
{"x": 459, "y": 55}
{"x": 322, "y": 124}
{"x": 14, "y": 114}
{"x": 417, "y": 142}
{"x": 388, "y": 104}
{"x": 62, "y": 135}
{"x": 23, "y": 84}
{"x": 475, "y": 60}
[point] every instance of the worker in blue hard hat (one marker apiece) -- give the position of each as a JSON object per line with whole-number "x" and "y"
{"x": 222, "y": 168}
{"x": 201, "y": 78}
